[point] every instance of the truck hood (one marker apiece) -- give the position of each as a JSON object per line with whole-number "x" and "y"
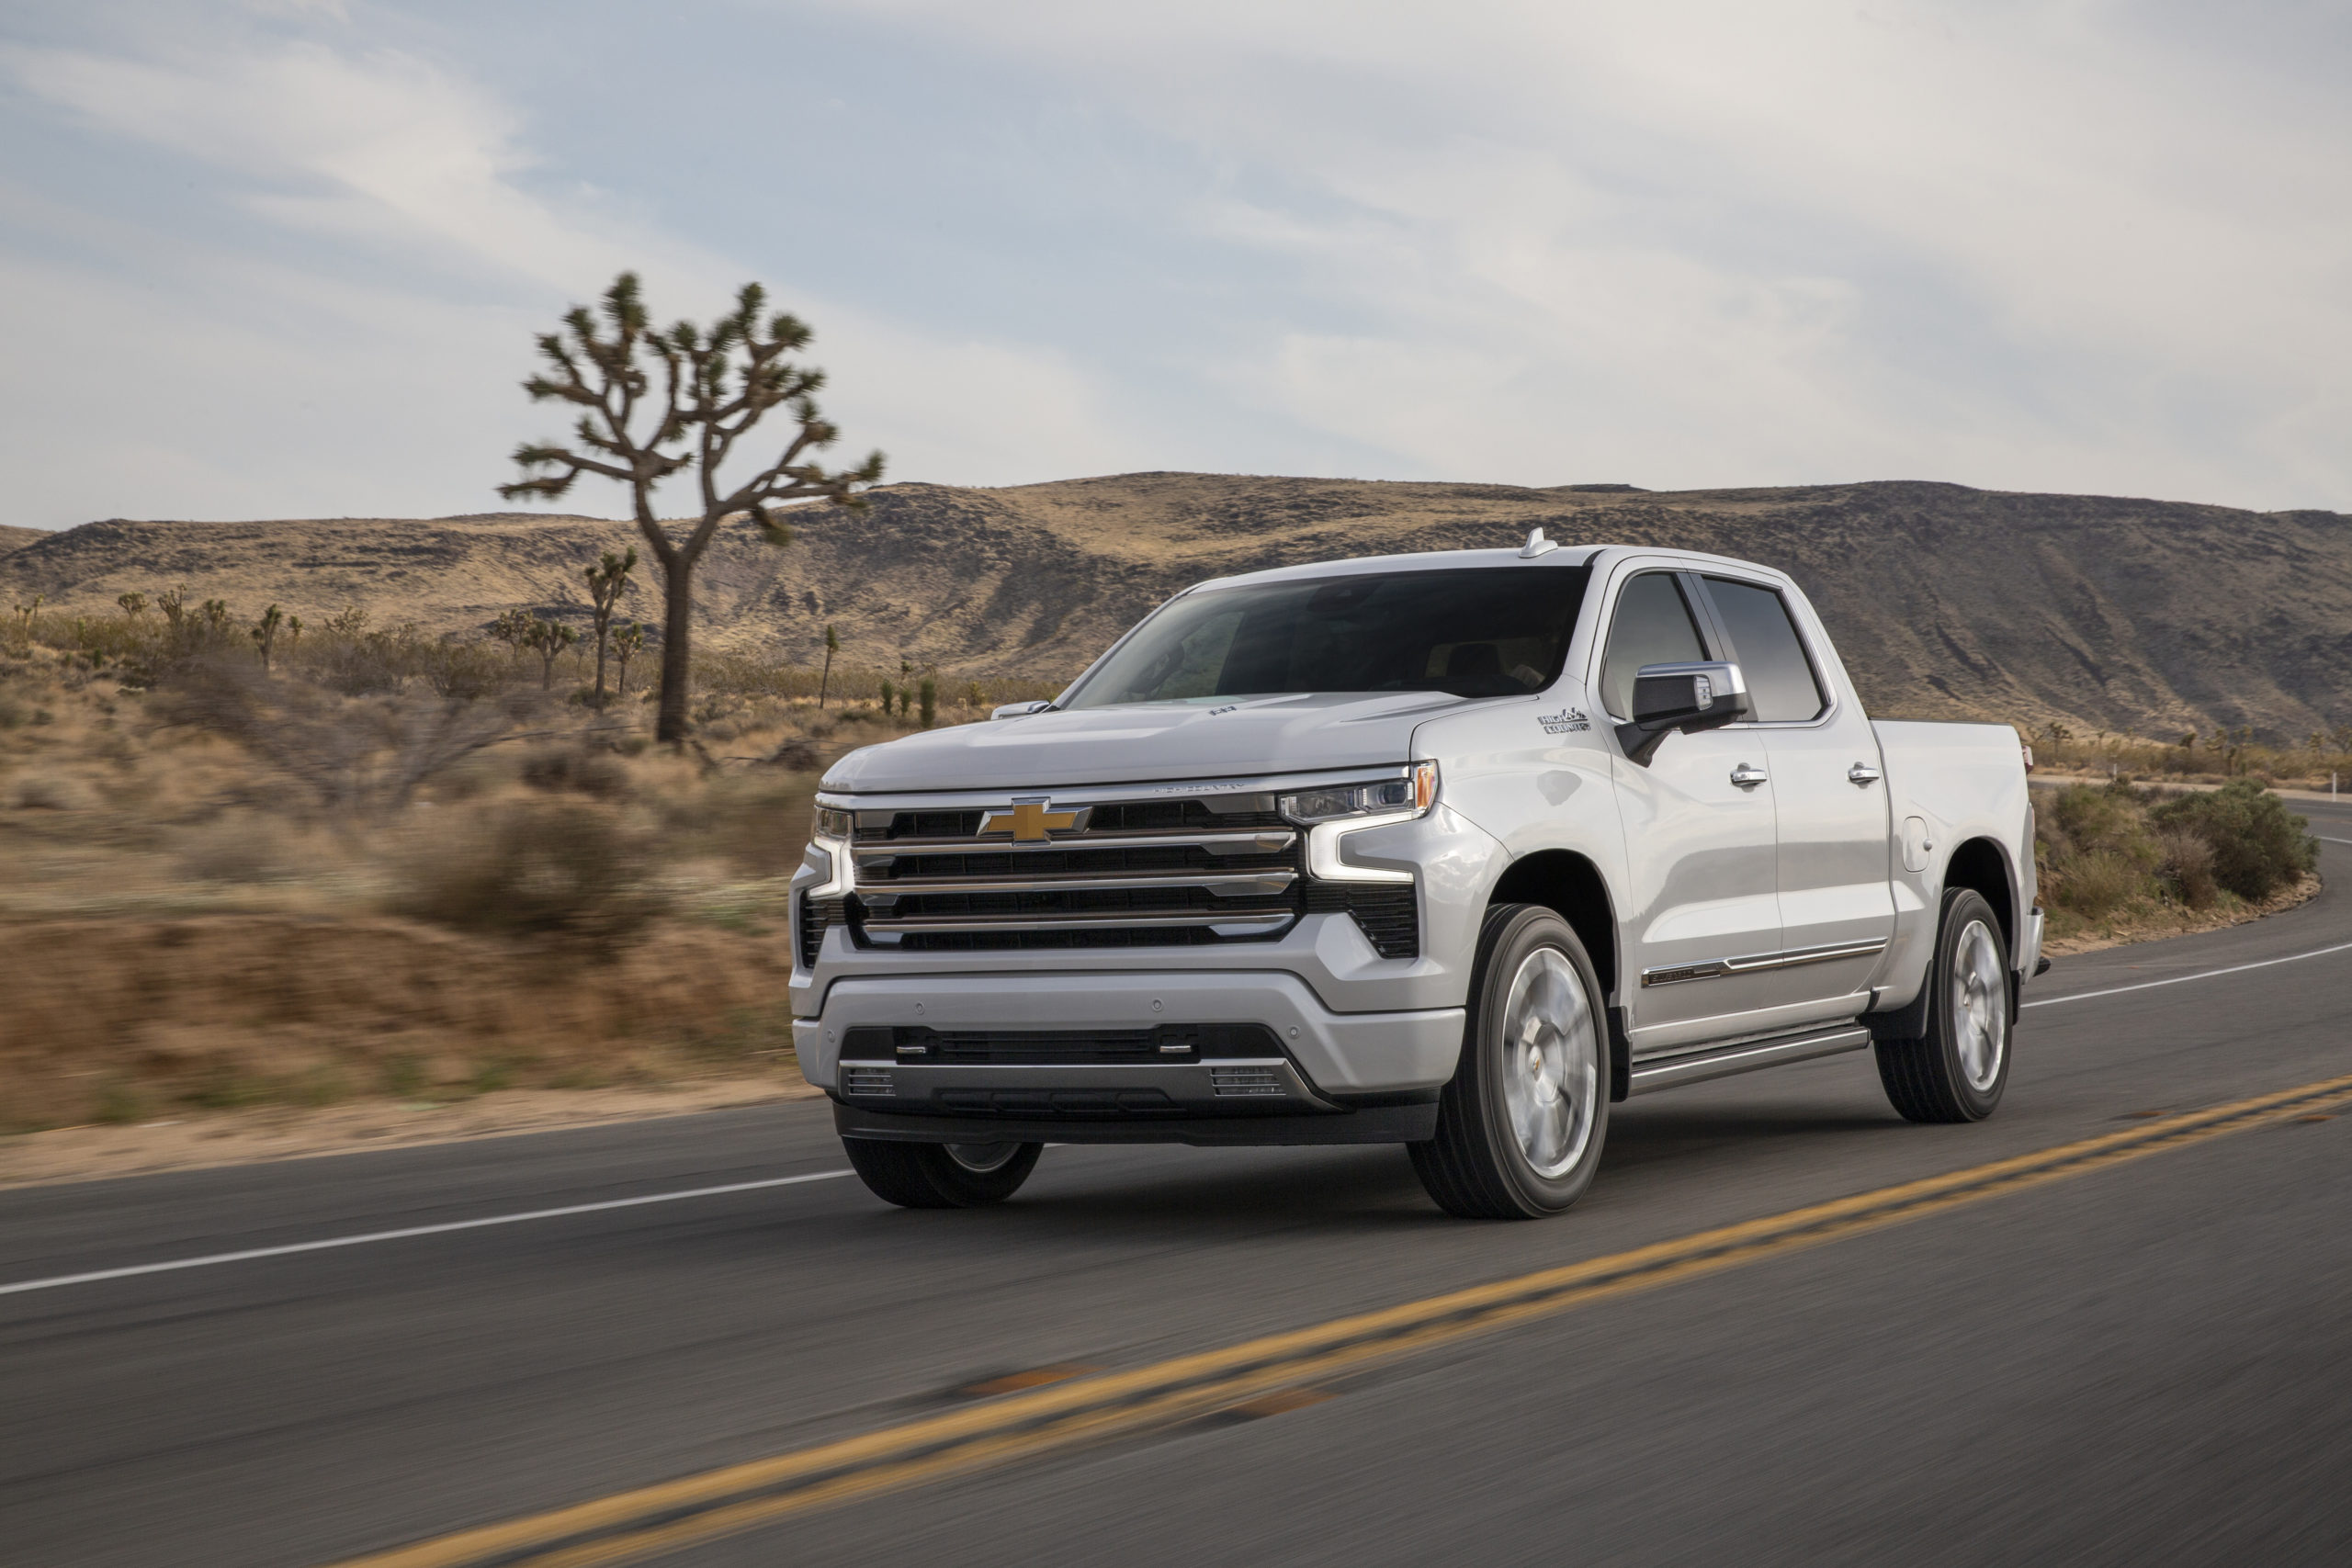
{"x": 1149, "y": 742}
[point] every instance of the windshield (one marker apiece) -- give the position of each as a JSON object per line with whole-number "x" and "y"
{"x": 1475, "y": 632}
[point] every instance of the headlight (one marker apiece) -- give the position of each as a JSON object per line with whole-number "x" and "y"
{"x": 833, "y": 823}
{"x": 1415, "y": 792}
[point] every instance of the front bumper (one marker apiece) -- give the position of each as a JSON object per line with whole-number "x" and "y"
{"x": 1326, "y": 1058}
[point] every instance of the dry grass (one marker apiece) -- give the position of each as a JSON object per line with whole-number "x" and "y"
{"x": 279, "y": 896}
{"x": 2189, "y": 756}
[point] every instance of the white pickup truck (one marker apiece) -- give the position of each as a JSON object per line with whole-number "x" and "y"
{"x": 1448, "y": 850}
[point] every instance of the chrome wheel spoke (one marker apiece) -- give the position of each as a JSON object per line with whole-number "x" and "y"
{"x": 1551, "y": 1062}
{"x": 1980, "y": 1022}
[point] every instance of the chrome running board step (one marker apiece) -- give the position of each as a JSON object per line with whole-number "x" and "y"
{"x": 1656, "y": 1073}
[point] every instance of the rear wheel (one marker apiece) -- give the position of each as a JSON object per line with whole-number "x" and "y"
{"x": 941, "y": 1176}
{"x": 1520, "y": 1127}
{"x": 1957, "y": 1070}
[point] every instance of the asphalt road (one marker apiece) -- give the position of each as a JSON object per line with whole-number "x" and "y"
{"x": 2151, "y": 1362}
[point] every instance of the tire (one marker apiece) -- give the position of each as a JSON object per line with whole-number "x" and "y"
{"x": 1957, "y": 1070}
{"x": 941, "y": 1176}
{"x": 1520, "y": 1127}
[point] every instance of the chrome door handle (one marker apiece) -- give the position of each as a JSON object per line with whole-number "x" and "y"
{"x": 1863, "y": 774}
{"x": 1748, "y": 777}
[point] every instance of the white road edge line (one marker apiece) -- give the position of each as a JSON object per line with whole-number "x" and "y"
{"x": 2331, "y": 839}
{"x": 253, "y": 1253}
{"x": 2183, "y": 979}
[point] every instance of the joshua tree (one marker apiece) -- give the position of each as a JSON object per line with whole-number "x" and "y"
{"x": 930, "y": 701}
{"x": 134, "y": 604}
{"x": 653, "y": 404}
{"x": 606, "y": 579}
{"x": 264, "y": 633}
{"x": 548, "y": 639}
{"x": 832, "y": 646}
{"x": 627, "y": 643}
{"x": 889, "y": 695}
{"x": 973, "y": 696}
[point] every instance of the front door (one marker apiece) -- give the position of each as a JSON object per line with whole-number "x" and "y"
{"x": 1700, "y": 839}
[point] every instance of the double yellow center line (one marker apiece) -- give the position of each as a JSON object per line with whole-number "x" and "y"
{"x": 630, "y": 1525}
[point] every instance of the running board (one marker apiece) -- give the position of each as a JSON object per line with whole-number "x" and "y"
{"x": 1723, "y": 1061}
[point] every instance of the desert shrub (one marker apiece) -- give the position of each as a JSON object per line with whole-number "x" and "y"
{"x": 466, "y": 671}
{"x": 558, "y": 768}
{"x": 245, "y": 847}
{"x": 758, "y": 822}
{"x": 2188, "y": 867}
{"x": 565, "y": 868}
{"x": 2257, "y": 846}
{"x": 2098, "y": 884}
{"x": 795, "y": 753}
{"x": 52, "y": 792}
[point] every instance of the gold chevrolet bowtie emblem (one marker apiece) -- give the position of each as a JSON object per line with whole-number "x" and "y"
{"x": 1029, "y": 822}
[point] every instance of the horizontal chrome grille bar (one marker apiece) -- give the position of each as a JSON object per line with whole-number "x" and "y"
{"x": 1232, "y": 884}
{"x": 1265, "y": 841}
{"x": 1117, "y": 919}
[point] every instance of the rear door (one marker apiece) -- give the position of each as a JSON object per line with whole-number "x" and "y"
{"x": 1699, "y": 836}
{"x": 1837, "y": 904}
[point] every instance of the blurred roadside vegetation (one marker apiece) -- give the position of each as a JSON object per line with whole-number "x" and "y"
{"x": 251, "y": 861}
{"x": 2122, "y": 859}
{"x": 2210, "y": 755}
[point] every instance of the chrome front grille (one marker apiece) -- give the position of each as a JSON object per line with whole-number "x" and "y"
{"x": 1119, "y": 874}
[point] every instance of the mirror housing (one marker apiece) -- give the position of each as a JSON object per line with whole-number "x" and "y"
{"x": 1670, "y": 698}
{"x": 1018, "y": 710}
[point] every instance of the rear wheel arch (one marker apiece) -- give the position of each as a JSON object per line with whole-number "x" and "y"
{"x": 1980, "y": 863}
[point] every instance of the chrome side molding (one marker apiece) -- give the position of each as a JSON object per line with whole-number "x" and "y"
{"x": 1716, "y": 968}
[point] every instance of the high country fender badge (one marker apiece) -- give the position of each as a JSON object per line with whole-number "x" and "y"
{"x": 1564, "y": 721}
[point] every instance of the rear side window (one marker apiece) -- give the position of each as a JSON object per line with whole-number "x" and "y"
{"x": 1653, "y": 625}
{"x": 1764, "y": 641}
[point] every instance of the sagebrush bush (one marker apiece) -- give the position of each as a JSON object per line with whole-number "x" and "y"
{"x": 557, "y": 868}
{"x": 2257, "y": 846}
{"x": 2103, "y": 850}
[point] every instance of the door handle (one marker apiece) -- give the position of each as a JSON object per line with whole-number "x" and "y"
{"x": 1747, "y": 777}
{"x": 1862, "y": 774}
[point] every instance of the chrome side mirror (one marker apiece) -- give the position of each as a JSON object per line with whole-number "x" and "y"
{"x": 1018, "y": 710}
{"x": 1669, "y": 698}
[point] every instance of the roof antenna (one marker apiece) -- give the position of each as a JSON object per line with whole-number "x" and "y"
{"x": 1537, "y": 544}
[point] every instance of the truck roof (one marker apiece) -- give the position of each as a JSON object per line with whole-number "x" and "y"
{"x": 1426, "y": 560}
{"x": 1560, "y": 555}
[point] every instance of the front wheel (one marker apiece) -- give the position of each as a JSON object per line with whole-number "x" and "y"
{"x": 1957, "y": 1070}
{"x": 1521, "y": 1125}
{"x": 941, "y": 1176}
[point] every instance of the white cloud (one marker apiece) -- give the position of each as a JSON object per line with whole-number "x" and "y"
{"x": 269, "y": 387}
{"x": 1679, "y": 243}
{"x": 2025, "y": 245}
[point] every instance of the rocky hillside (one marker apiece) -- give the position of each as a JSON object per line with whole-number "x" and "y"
{"x": 1947, "y": 601}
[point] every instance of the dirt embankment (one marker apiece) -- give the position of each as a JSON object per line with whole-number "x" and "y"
{"x": 152, "y": 1017}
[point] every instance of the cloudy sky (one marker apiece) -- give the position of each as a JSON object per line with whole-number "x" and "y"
{"x": 281, "y": 258}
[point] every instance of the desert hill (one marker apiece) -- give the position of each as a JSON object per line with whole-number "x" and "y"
{"x": 13, "y": 537}
{"x": 1947, "y": 601}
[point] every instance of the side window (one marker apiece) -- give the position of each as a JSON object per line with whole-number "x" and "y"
{"x": 1652, "y": 625}
{"x": 1781, "y": 681}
